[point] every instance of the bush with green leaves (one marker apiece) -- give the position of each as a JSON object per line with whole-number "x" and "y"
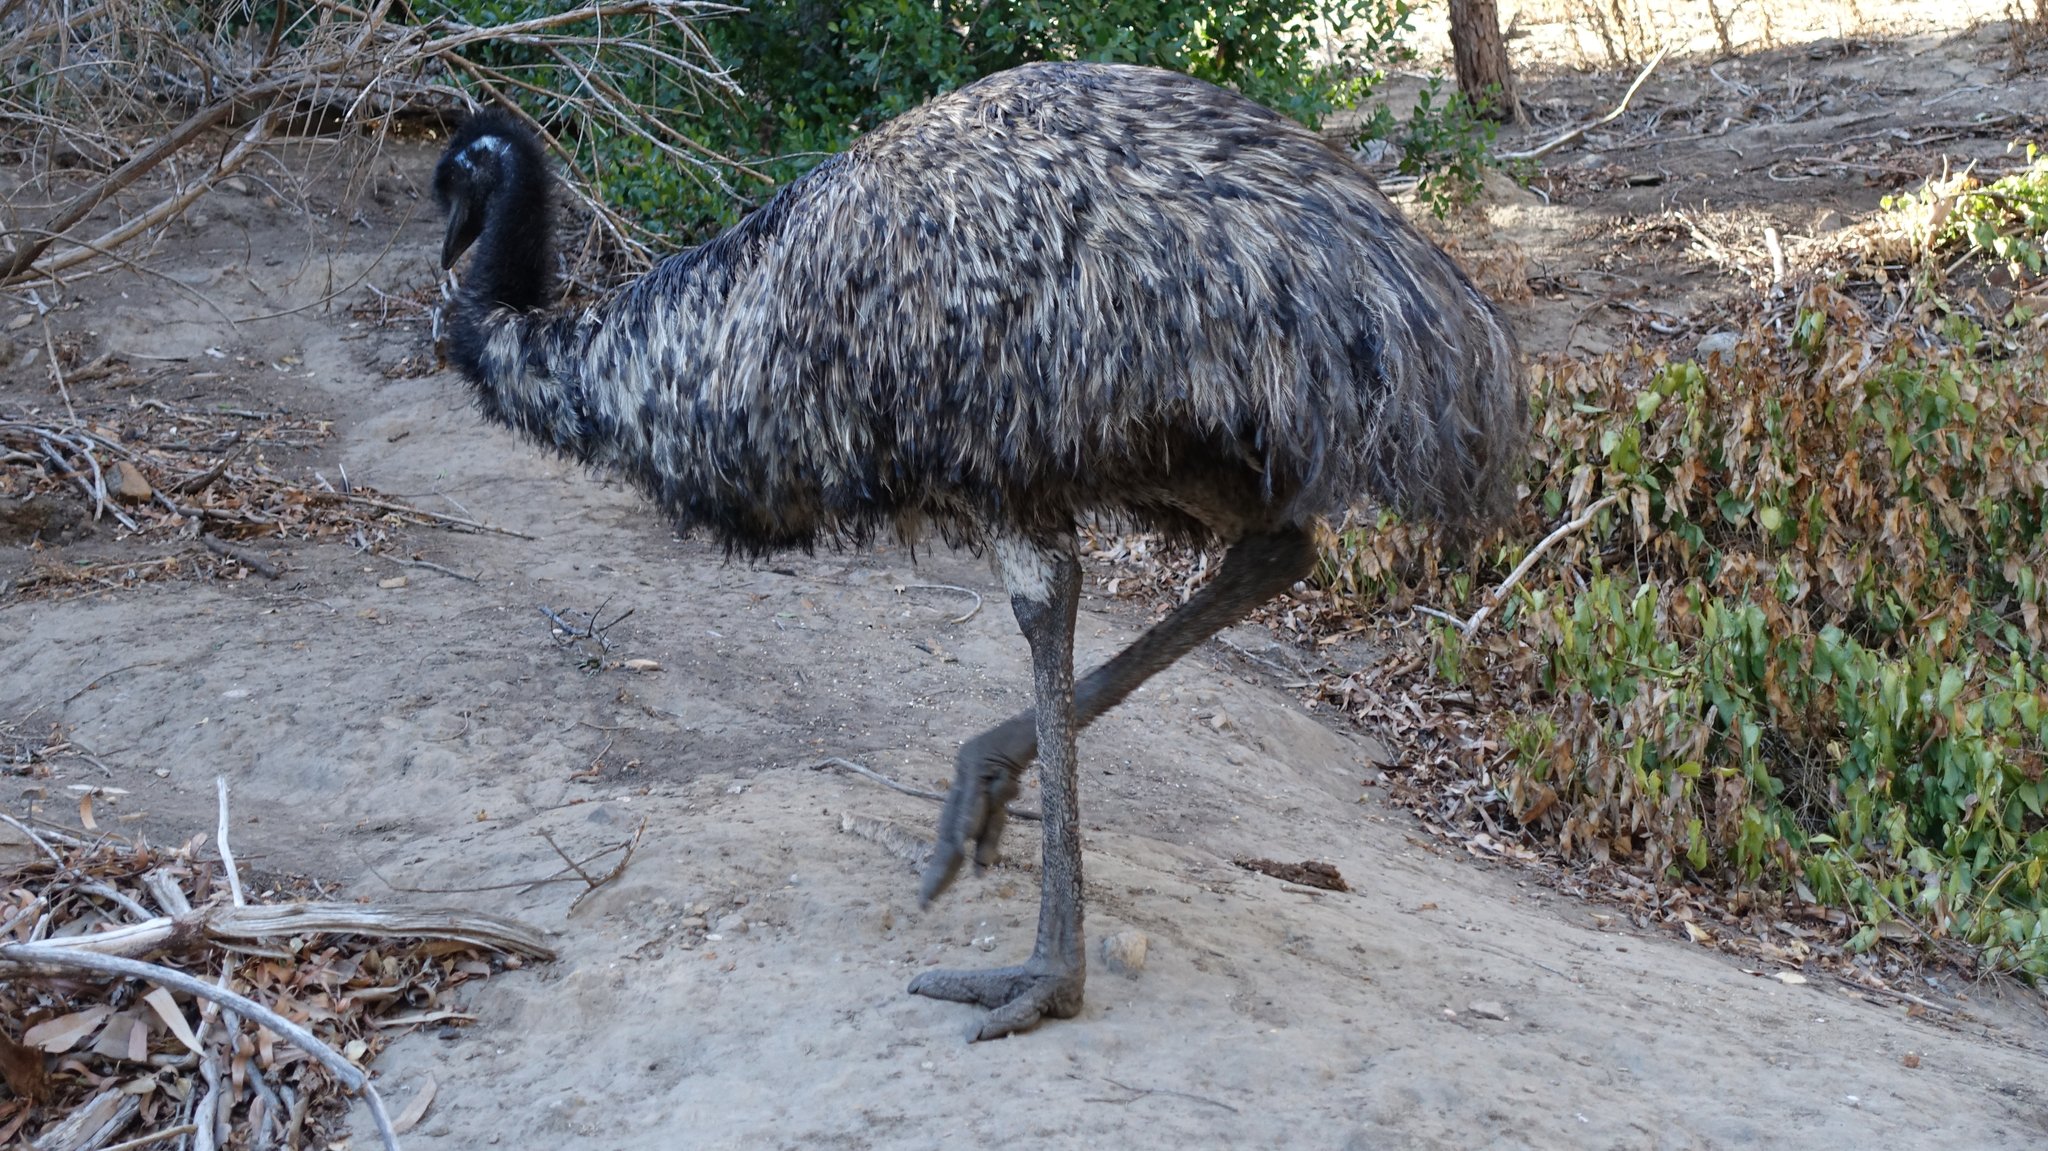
{"x": 813, "y": 74}
{"x": 1806, "y": 648}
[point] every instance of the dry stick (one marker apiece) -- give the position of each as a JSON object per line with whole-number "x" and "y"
{"x": 1575, "y": 134}
{"x": 921, "y": 793}
{"x": 56, "y": 366}
{"x": 608, "y": 876}
{"x": 155, "y": 1137}
{"x": 434, "y": 567}
{"x": 243, "y": 556}
{"x": 403, "y": 510}
{"x": 220, "y": 841}
{"x": 225, "y": 924}
{"x": 1499, "y": 595}
{"x": 950, "y": 587}
{"x": 170, "y": 207}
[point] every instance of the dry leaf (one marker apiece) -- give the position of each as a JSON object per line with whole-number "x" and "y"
{"x": 167, "y": 1010}
{"x": 1697, "y": 933}
{"x": 642, "y": 665}
{"x": 391, "y": 584}
{"x": 1792, "y": 977}
{"x": 117, "y": 1039}
{"x": 22, "y": 1070}
{"x": 1911, "y": 1060}
{"x": 61, "y": 1034}
{"x": 85, "y": 812}
{"x": 417, "y": 1109}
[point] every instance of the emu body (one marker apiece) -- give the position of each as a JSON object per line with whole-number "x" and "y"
{"x": 1064, "y": 292}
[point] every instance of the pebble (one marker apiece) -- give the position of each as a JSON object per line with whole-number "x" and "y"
{"x": 1124, "y": 952}
{"x": 1716, "y": 344}
{"x": 734, "y": 924}
{"x": 1487, "y": 1009}
{"x": 132, "y": 488}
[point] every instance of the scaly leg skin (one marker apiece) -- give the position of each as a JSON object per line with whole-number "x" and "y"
{"x": 987, "y": 771}
{"x": 1045, "y": 589}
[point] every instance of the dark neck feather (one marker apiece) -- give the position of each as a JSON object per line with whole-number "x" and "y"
{"x": 512, "y": 263}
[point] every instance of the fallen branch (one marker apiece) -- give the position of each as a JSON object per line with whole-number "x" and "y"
{"x": 421, "y": 513}
{"x": 892, "y": 785}
{"x": 223, "y": 923}
{"x": 243, "y": 556}
{"x": 1499, "y": 595}
{"x": 1576, "y": 134}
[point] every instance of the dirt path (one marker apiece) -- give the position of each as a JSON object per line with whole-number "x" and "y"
{"x": 741, "y": 985}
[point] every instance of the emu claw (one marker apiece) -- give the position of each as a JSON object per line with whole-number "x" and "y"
{"x": 1020, "y": 996}
{"x": 984, "y": 782}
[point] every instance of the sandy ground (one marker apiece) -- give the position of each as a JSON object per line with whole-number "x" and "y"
{"x": 742, "y": 983}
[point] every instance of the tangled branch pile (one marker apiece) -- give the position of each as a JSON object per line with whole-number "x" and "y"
{"x": 1804, "y": 650}
{"x": 260, "y": 1018}
{"x": 119, "y": 106}
{"x": 155, "y": 470}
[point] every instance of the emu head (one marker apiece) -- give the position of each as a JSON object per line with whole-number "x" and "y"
{"x": 494, "y": 172}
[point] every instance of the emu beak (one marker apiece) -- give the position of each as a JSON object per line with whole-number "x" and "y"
{"x": 463, "y": 226}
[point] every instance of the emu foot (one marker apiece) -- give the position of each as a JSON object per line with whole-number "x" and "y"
{"x": 1020, "y": 996}
{"x": 984, "y": 782}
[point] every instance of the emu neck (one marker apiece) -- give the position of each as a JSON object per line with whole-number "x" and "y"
{"x": 514, "y": 266}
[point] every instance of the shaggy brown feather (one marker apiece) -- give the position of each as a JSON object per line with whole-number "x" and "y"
{"x": 1065, "y": 291}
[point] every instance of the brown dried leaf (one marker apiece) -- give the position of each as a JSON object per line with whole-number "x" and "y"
{"x": 167, "y": 1010}
{"x": 61, "y": 1034}
{"x": 21, "y": 1066}
{"x": 417, "y": 1109}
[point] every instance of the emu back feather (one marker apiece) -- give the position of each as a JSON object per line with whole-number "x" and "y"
{"x": 1063, "y": 291}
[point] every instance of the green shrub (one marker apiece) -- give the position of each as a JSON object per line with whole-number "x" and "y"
{"x": 1807, "y": 647}
{"x": 814, "y": 73}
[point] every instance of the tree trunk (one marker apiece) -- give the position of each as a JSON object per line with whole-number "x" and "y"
{"x": 1481, "y": 58}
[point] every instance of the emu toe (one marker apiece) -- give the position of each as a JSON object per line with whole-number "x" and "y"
{"x": 984, "y": 782}
{"x": 1020, "y": 996}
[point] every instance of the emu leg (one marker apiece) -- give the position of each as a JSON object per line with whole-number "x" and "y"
{"x": 1045, "y": 589}
{"x": 986, "y": 774}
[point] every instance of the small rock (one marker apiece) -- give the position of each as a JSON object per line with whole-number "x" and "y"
{"x": 692, "y": 921}
{"x": 734, "y": 924}
{"x": 1124, "y": 952}
{"x": 236, "y": 184}
{"x": 1716, "y": 344}
{"x": 1487, "y": 1009}
{"x": 1912, "y": 1060}
{"x": 19, "y": 322}
{"x": 131, "y": 487}
{"x": 392, "y": 584}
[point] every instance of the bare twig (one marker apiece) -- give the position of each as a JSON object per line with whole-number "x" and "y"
{"x": 220, "y": 842}
{"x": 892, "y": 785}
{"x": 153, "y": 1138}
{"x": 421, "y": 513}
{"x": 963, "y": 618}
{"x": 243, "y": 556}
{"x": 434, "y": 567}
{"x": 1576, "y": 134}
{"x": 1499, "y": 596}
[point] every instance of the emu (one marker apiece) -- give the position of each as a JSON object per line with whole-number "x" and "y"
{"x": 1065, "y": 293}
